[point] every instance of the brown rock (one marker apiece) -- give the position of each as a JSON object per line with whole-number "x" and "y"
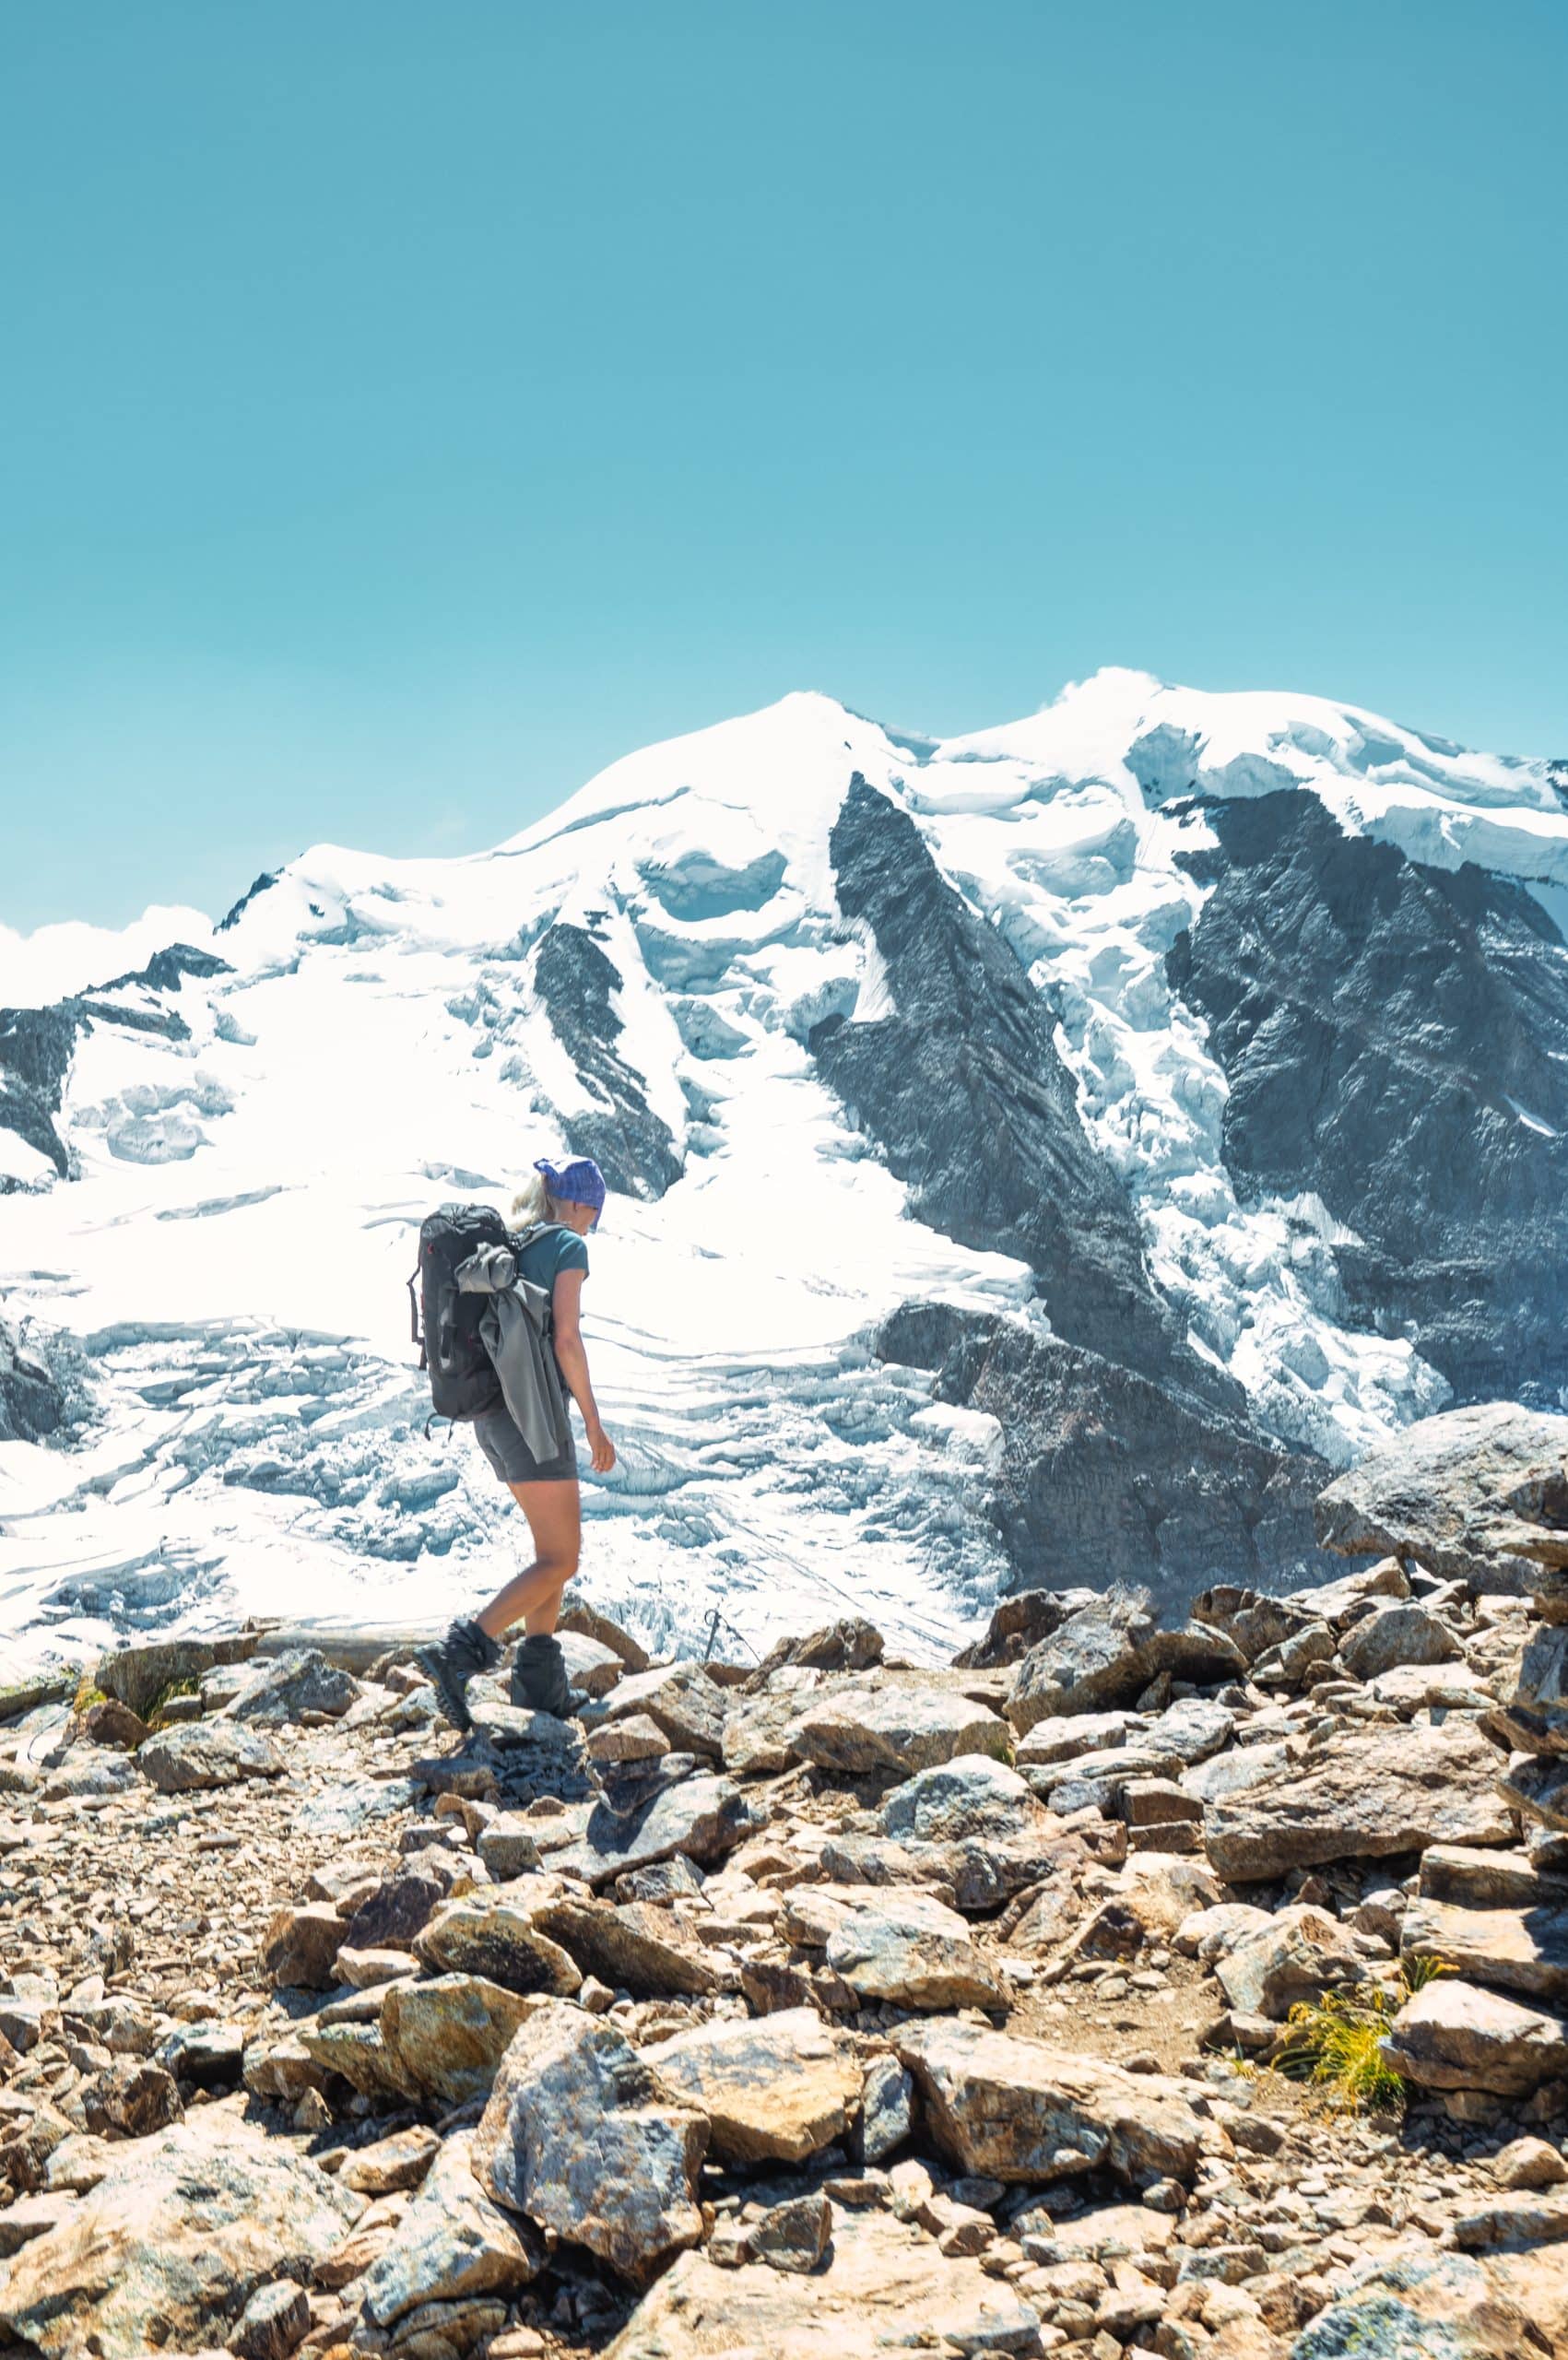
{"x": 300, "y": 1947}
{"x": 131, "y": 2098}
{"x": 447, "y": 2037}
{"x": 776, "y": 2090}
{"x": 1017, "y": 2110}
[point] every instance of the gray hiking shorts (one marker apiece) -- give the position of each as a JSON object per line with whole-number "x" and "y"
{"x": 513, "y": 1461}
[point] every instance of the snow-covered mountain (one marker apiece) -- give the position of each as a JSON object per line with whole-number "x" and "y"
{"x": 1035, "y": 1155}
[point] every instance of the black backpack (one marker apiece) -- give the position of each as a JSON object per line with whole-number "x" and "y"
{"x": 463, "y": 1379}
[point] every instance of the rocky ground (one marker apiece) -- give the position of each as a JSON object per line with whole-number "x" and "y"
{"x": 837, "y": 2006}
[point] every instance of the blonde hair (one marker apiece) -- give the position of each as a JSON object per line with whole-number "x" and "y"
{"x": 534, "y": 1202}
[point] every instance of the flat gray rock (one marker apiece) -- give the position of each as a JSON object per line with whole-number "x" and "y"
{"x": 208, "y": 1753}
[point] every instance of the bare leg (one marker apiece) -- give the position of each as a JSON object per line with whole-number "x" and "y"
{"x": 532, "y": 1597}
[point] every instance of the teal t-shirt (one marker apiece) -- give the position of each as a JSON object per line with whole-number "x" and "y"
{"x": 551, "y": 1248}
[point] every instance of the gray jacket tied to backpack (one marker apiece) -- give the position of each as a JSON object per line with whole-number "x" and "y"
{"x": 515, "y": 1332}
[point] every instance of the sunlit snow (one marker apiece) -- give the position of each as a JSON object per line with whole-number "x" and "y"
{"x": 232, "y": 1255}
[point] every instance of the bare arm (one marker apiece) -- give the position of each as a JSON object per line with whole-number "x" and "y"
{"x": 566, "y": 1308}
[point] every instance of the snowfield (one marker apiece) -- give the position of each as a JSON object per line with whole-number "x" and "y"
{"x": 229, "y": 1256}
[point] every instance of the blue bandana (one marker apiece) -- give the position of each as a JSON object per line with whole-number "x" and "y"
{"x": 578, "y": 1183}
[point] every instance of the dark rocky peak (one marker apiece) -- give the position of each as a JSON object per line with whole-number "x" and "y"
{"x": 964, "y": 1091}
{"x": 633, "y": 1147}
{"x": 1396, "y": 1041}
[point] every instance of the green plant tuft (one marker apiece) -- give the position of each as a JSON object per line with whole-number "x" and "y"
{"x": 1336, "y": 2043}
{"x": 154, "y": 1714}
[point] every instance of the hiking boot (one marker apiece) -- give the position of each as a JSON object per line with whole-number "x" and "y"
{"x": 451, "y": 1664}
{"x": 540, "y": 1683}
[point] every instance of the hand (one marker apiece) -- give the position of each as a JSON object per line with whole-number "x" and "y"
{"x": 601, "y": 1450}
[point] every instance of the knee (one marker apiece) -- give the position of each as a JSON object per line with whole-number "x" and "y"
{"x": 559, "y": 1564}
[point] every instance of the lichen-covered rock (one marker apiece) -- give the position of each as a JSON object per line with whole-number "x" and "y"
{"x": 452, "y": 2242}
{"x": 170, "y": 2244}
{"x": 497, "y": 1934}
{"x": 1020, "y": 2110}
{"x": 447, "y": 2036}
{"x": 1440, "y": 2308}
{"x": 774, "y": 2090}
{"x": 580, "y": 2135}
{"x": 972, "y": 1795}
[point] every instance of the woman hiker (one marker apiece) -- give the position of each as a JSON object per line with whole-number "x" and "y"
{"x": 554, "y": 1211}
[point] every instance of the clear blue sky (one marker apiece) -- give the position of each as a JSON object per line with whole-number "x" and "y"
{"x": 408, "y": 409}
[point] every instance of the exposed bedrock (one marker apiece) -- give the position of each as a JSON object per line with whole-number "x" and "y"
{"x": 633, "y": 1147}
{"x": 1396, "y": 1040}
{"x": 963, "y": 1088}
{"x": 32, "y": 1402}
{"x": 1106, "y": 1476}
{"x": 38, "y": 1043}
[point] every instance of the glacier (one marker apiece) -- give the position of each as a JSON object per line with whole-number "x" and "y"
{"x": 214, "y": 1159}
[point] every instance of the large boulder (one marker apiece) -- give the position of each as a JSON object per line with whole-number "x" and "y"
{"x": 288, "y": 1687}
{"x": 1516, "y": 1949}
{"x": 454, "y": 2242}
{"x": 1018, "y": 2110}
{"x": 142, "y": 1675}
{"x": 679, "y": 1698}
{"x": 1091, "y": 1661}
{"x": 759, "y": 1739}
{"x": 634, "y": 1946}
{"x": 1293, "y": 1955}
{"x": 1460, "y": 1493}
{"x": 894, "y": 1943}
{"x": 775, "y": 2089}
{"x": 1455, "y": 2036}
{"x": 894, "y": 1729}
{"x": 1401, "y": 1632}
{"x": 200, "y": 1755}
{"x": 883, "y": 2288}
{"x": 1363, "y": 1794}
{"x": 581, "y": 2136}
{"x": 973, "y": 1795}
{"x": 703, "y": 1818}
{"x": 167, "y": 2250}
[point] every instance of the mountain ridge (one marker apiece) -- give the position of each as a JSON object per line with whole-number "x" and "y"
{"x": 714, "y": 967}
